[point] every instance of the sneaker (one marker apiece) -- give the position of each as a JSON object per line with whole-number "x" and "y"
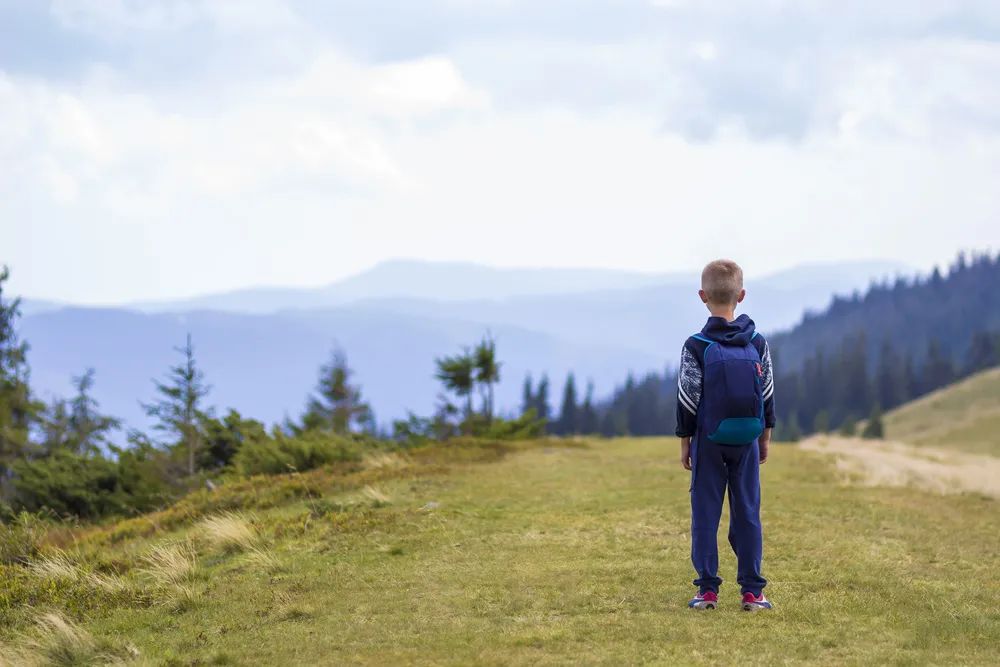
{"x": 706, "y": 600}
{"x": 753, "y": 602}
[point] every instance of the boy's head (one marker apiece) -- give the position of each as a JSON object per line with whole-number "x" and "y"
{"x": 722, "y": 284}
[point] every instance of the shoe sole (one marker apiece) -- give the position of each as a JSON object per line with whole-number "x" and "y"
{"x": 701, "y": 606}
{"x": 754, "y": 607}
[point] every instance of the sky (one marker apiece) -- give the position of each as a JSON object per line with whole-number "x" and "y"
{"x": 153, "y": 149}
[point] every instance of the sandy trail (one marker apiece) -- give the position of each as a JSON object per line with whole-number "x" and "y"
{"x": 886, "y": 463}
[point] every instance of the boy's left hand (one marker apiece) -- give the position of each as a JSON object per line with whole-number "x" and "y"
{"x": 686, "y": 453}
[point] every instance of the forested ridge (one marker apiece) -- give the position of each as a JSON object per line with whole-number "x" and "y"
{"x": 866, "y": 353}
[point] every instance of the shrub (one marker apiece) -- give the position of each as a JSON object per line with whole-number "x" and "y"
{"x": 68, "y": 484}
{"x": 288, "y": 454}
{"x": 91, "y": 486}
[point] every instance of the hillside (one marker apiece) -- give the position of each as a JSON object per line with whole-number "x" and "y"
{"x": 965, "y": 416}
{"x": 949, "y": 307}
{"x": 538, "y": 555}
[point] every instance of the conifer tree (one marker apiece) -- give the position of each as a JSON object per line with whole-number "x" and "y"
{"x": 542, "y": 399}
{"x": 567, "y": 423}
{"x": 793, "y": 432}
{"x": 178, "y": 410}
{"x": 17, "y": 408}
{"x": 487, "y": 372}
{"x": 938, "y": 369}
{"x": 457, "y": 374}
{"x": 89, "y": 427}
{"x": 984, "y": 352}
{"x": 890, "y": 377}
{"x": 821, "y": 423}
{"x": 874, "y": 428}
{"x": 589, "y": 420}
{"x": 527, "y": 397}
{"x": 337, "y": 406}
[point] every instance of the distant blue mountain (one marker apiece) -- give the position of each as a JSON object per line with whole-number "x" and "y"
{"x": 265, "y": 364}
{"x": 443, "y": 281}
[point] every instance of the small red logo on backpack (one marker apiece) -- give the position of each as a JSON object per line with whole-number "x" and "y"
{"x": 760, "y": 371}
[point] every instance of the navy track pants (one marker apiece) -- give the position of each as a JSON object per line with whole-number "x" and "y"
{"x": 714, "y": 469}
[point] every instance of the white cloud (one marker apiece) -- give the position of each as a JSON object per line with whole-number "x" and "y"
{"x": 282, "y": 148}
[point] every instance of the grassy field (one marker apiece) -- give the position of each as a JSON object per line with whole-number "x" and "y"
{"x": 965, "y": 415}
{"x": 550, "y": 555}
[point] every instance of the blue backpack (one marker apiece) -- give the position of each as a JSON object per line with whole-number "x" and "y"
{"x": 732, "y": 400}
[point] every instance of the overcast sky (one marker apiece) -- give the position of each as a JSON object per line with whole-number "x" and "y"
{"x": 160, "y": 148}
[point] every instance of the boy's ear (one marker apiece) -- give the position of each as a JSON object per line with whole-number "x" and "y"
{"x": 704, "y": 297}
{"x": 743, "y": 294}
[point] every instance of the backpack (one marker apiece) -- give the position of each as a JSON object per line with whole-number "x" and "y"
{"x": 732, "y": 401}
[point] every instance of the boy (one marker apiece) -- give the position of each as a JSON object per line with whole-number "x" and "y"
{"x": 725, "y": 413}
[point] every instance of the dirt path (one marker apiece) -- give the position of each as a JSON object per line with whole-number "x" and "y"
{"x": 886, "y": 463}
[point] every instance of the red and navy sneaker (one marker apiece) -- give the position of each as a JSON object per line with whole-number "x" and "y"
{"x": 706, "y": 600}
{"x": 753, "y": 602}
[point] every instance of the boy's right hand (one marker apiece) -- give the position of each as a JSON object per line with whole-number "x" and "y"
{"x": 763, "y": 443}
{"x": 686, "y": 453}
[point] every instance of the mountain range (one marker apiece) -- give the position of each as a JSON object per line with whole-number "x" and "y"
{"x": 261, "y": 348}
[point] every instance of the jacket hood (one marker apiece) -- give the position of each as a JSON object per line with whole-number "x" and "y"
{"x": 737, "y": 332}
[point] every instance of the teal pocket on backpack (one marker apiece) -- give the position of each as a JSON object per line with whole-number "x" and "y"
{"x": 737, "y": 431}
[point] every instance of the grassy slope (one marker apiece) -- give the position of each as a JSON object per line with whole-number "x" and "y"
{"x": 965, "y": 415}
{"x": 556, "y": 556}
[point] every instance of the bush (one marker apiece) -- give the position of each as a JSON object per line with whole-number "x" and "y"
{"x": 303, "y": 452}
{"x": 91, "y": 486}
{"x": 68, "y": 484}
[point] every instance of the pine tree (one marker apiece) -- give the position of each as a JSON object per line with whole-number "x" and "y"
{"x": 821, "y": 423}
{"x": 17, "y": 408}
{"x": 457, "y": 374}
{"x": 938, "y": 368}
{"x": 542, "y": 399}
{"x": 88, "y": 426}
{"x": 337, "y": 406}
{"x": 178, "y": 410}
{"x": 873, "y": 428}
{"x": 487, "y": 372}
{"x": 568, "y": 423}
{"x": 793, "y": 432}
{"x": 848, "y": 427}
{"x": 891, "y": 383}
{"x": 984, "y": 352}
{"x": 527, "y": 397}
{"x": 589, "y": 421}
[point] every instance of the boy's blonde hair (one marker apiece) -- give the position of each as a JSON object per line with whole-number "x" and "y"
{"x": 722, "y": 281}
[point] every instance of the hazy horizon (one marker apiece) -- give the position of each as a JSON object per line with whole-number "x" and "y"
{"x": 898, "y": 268}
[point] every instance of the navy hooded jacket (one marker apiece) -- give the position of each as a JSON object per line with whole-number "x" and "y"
{"x": 689, "y": 377}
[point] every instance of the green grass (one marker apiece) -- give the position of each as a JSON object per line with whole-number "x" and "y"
{"x": 554, "y": 555}
{"x": 965, "y": 415}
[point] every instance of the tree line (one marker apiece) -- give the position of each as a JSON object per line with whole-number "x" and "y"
{"x": 863, "y": 355}
{"x": 62, "y": 456}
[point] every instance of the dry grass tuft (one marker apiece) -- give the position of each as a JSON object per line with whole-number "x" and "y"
{"x": 385, "y": 461}
{"x": 56, "y": 566}
{"x": 264, "y": 558}
{"x": 172, "y": 564}
{"x": 60, "y": 567}
{"x": 377, "y": 498}
{"x": 56, "y": 640}
{"x": 230, "y": 532}
{"x": 182, "y": 599}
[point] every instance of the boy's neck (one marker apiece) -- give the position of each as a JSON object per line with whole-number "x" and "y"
{"x": 726, "y": 312}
